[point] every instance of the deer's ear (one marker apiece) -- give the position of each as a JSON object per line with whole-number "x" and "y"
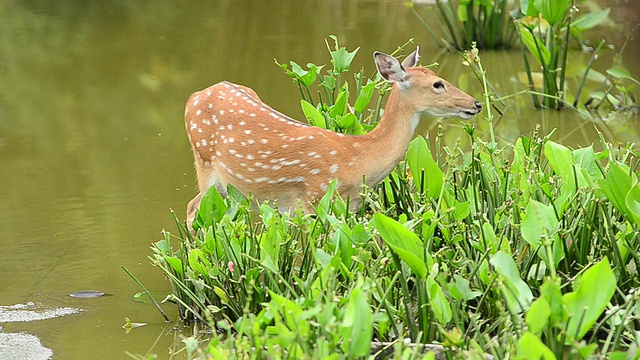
{"x": 412, "y": 60}
{"x": 389, "y": 67}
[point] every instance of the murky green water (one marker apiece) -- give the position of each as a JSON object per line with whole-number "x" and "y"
{"x": 93, "y": 151}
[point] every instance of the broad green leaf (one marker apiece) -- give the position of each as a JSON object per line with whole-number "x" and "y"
{"x": 438, "y": 302}
{"x": 621, "y": 73}
{"x": 553, "y": 11}
{"x": 586, "y": 304}
{"x": 212, "y": 207}
{"x": 541, "y": 53}
{"x": 531, "y": 347}
{"x": 199, "y": 262}
{"x": 538, "y": 315}
{"x": 518, "y": 294}
{"x": 632, "y": 202}
{"x": 590, "y": 20}
{"x": 539, "y": 221}
{"x": 561, "y": 161}
{"x": 616, "y": 185}
{"x": 587, "y": 159}
{"x": 305, "y": 77}
{"x": 425, "y": 171}
{"x": 357, "y": 325}
{"x": 460, "y": 289}
{"x": 404, "y": 242}
{"x": 313, "y": 114}
{"x": 366, "y": 93}
{"x": 340, "y": 57}
{"x": 340, "y": 106}
{"x": 175, "y": 263}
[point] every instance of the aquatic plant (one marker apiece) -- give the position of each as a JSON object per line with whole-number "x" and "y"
{"x": 532, "y": 255}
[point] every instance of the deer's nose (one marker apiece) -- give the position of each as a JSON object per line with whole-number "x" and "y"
{"x": 478, "y": 105}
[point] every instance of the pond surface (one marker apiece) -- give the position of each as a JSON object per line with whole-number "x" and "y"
{"x": 93, "y": 151}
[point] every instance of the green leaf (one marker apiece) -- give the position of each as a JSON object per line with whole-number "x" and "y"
{"x": 460, "y": 289}
{"x": 311, "y": 113}
{"x": 438, "y": 302}
{"x": 404, "y": 242}
{"x": 632, "y": 202}
{"x": 306, "y": 78}
{"x": 538, "y": 315}
{"x": 586, "y": 304}
{"x": 357, "y": 325}
{"x": 340, "y": 107}
{"x": 539, "y": 221}
{"x": 426, "y": 174}
{"x": 212, "y": 207}
{"x": 518, "y": 294}
{"x": 620, "y": 73}
{"x": 561, "y": 161}
{"x": 590, "y": 20}
{"x": 531, "y": 347}
{"x": 366, "y": 93}
{"x": 543, "y": 55}
{"x": 616, "y": 185}
{"x": 340, "y": 57}
{"x": 554, "y": 11}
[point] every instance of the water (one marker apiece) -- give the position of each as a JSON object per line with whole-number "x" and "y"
{"x": 92, "y": 145}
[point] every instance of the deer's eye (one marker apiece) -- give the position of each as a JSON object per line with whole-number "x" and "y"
{"x": 438, "y": 85}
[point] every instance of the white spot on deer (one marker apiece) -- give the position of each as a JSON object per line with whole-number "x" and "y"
{"x": 222, "y": 127}
{"x": 200, "y": 131}
{"x": 198, "y": 112}
{"x": 252, "y": 115}
{"x": 314, "y": 171}
{"x": 292, "y": 162}
{"x": 218, "y": 153}
{"x": 226, "y": 84}
{"x": 296, "y": 179}
{"x": 324, "y": 187}
{"x": 333, "y": 168}
{"x": 334, "y": 152}
{"x": 310, "y": 137}
{"x": 204, "y": 142}
{"x": 198, "y": 144}
{"x": 247, "y": 132}
{"x": 207, "y": 164}
{"x": 229, "y": 127}
{"x": 232, "y": 152}
{"x": 251, "y": 169}
{"x": 209, "y": 92}
{"x": 276, "y": 167}
{"x": 312, "y": 153}
{"x": 264, "y": 141}
{"x": 241, "y": 111}
{"x": 231, "y": 140}
{"x": 221, "y": 112}
{"x": 250, "y": 141}
{"x": 193, "y": 126}
{"x": 284, "y": 146}
{"x": 262, "y": 179}
{"x": 250, "y": 157}
{"x": 210, "y": 106}
{"x": 242, "y": 123}
{"x": 195, "y": 100}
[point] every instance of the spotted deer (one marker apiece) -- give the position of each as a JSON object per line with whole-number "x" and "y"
{"x": 239, "y": 140}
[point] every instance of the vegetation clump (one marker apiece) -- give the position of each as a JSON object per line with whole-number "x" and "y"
{"x": 527, "y": 251}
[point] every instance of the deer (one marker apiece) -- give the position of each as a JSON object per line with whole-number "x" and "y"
{"x": 237, "y": 139}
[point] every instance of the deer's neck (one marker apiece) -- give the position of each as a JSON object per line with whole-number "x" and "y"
{"x": 387, "y": 144}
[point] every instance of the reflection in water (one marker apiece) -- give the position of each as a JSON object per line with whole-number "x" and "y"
{"x": 94, "y": 153}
